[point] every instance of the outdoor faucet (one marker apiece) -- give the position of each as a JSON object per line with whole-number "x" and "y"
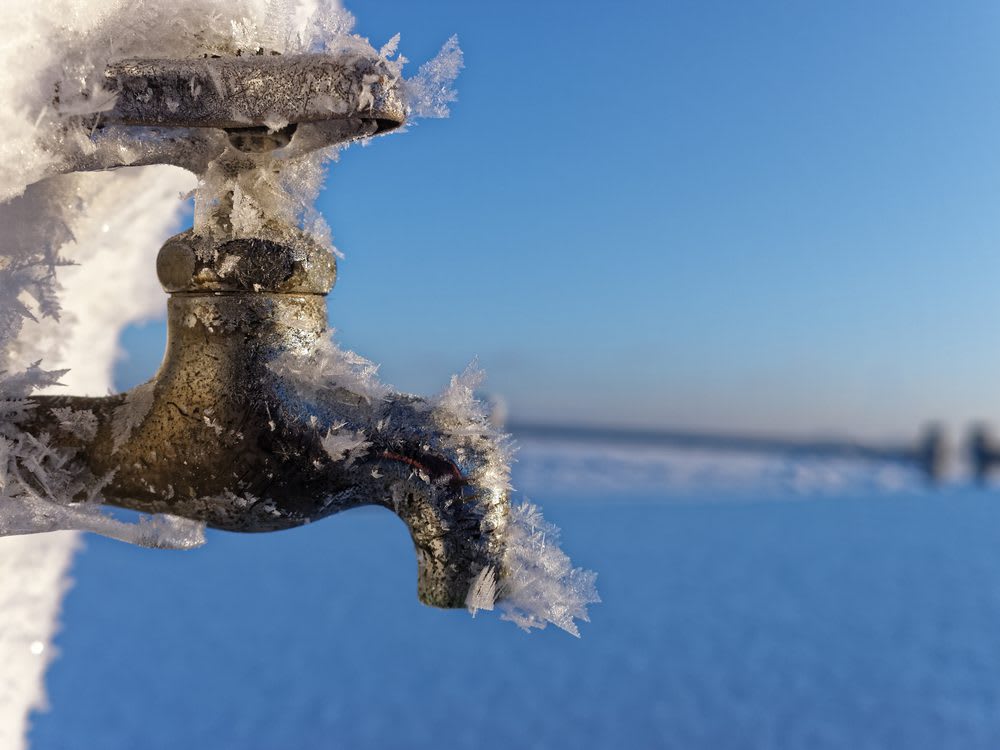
{"x": 254, "y": 421}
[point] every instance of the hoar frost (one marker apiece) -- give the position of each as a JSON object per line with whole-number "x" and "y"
{"x": 54, "y": 55}
{"x": 538, "y": 584}
{"x": 46, "y": 214}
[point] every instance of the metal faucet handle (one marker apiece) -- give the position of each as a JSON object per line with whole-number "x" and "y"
{"x": 270, "y": 91}
{"x": 189, "y": 112}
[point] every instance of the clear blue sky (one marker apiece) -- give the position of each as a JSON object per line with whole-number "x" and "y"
{"x": 755, "y": 215}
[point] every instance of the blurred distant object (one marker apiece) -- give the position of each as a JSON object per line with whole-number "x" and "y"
{"x": 983, "y": 451}
{"x": 929, "y": 454}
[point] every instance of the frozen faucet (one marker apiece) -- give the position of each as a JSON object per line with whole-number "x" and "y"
{"x": 234, "y": 430}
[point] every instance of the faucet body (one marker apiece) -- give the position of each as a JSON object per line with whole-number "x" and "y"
{"x": 240, "y": 428}
{"x": 222, "y": 435}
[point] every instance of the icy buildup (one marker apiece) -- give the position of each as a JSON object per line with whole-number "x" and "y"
{"x": 103, "y": 231}
{"x": 130, "y": 414}
{"x": 65, "y": 73}
{"x": 541, "y": 585}
{"x": 33, "y": 578}
{"x": 537, "y": 584}
{"x": 86, "y": 243}
{"x": 119, "y": 221}
{"x": 327, "y": 367}
{"x": 483, "y": 591}
{"x": 430, "y": 91}
{"x": 467, "y": 427}
{"x": 40, "y": 492}
{"x": 343, "y": 444}
{"x": 80, "y": 423}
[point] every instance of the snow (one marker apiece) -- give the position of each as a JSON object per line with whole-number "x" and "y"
{"x": 852, "y": 621}
{"x": 587, "y": 470}
{"x": 111, "y": 280}
{"x": 33, "y": 578}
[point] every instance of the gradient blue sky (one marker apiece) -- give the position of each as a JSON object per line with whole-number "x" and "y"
{"x": 755, "y": 215}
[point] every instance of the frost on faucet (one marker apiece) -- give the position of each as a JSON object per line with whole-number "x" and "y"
{"x": 256, "y": 420}
{"x": 533, "y": 581}
{"x": 42, "y": 488}
{"x": 536, "y": 583}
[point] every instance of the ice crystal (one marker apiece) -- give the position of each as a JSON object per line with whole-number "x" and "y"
{"x": 328, "y": 367}
{"x": 483, "y": 591}
{"x": 538, "y": 584}
{"x": 541, "y": 585}
{"x": 343, "y": 444}
{"x": 131, "y": 414}
{"x": 430, "y": 91}
{"x": 467, "y": 428}
{"x": 80, "y": 423}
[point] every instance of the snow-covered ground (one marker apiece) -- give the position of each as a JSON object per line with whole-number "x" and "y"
{"x": 852, "y": 618}
{"x": 617, "y": 468}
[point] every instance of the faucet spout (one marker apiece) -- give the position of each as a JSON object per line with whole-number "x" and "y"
{"x": 437, "y": 482}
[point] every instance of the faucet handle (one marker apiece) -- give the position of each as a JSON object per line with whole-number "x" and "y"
{"x": 190, "y": 112}
{"x": 271, "y": 91}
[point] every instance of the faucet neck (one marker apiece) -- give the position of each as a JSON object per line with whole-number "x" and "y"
{"x": 214, "y": 340}
{"x": 236, "y": 304}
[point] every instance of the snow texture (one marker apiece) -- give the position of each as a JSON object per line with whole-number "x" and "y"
{"x": 584, "y": 469}
{"x": 33, "y": 578}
